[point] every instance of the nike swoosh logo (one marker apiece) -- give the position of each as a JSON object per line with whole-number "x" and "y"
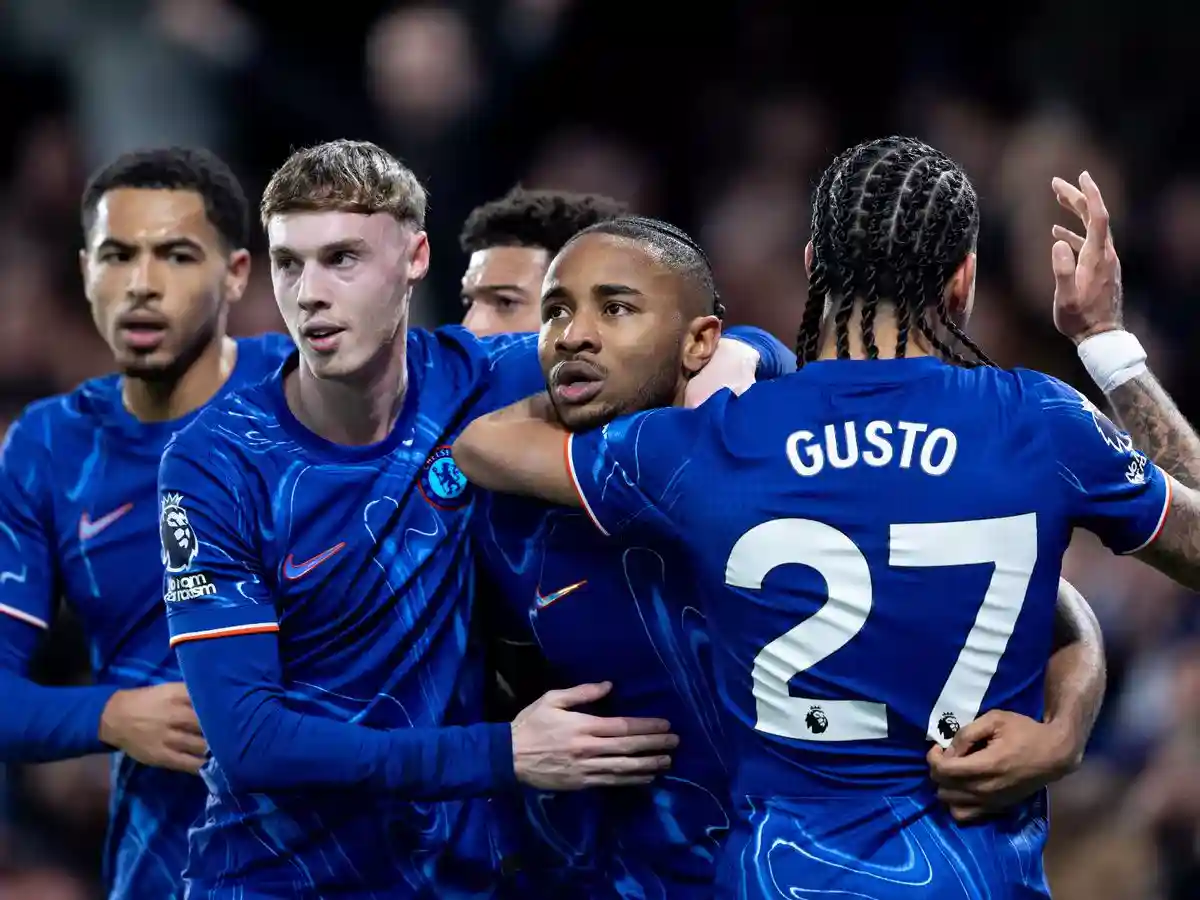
{"x": 545, "y": 600}
{"x": 89, "y": 527}
{"x": 293, "y": 570}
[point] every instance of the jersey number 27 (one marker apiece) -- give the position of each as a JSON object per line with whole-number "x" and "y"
{"x": 1009, "y": 543}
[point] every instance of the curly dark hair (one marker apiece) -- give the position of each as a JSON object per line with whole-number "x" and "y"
{"x": 891, "y": 221}
{"x": 176, "y": 169}
{"x": 545, "y": 219}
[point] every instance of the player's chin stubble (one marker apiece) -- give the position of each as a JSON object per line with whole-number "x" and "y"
{"x": 650, "y": 393}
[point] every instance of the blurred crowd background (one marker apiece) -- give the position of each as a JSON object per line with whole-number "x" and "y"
{"x": 717, "y": 116}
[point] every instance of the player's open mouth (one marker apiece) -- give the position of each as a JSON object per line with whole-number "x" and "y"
{"x": 142, "y": 333}
{"x": 322, "y": 338}
{"x": 576, "y": 382}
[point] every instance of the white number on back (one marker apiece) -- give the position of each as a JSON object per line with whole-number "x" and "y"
{"x": 1009, "y": 543}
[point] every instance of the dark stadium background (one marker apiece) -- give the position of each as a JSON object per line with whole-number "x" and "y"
{"x": 717, "y": 116}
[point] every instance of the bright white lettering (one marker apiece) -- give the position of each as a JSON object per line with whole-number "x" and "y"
{"x": 933, "y": 451}
{"x": 881, "y": 452}
{"x": 938, "y": 435}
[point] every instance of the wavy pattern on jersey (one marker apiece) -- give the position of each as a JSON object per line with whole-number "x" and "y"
{"x": 95, "y": 464}
{"x": 635, "y": 623}
{"x": 789, "y": 850}
{"x": 377, "y": 635}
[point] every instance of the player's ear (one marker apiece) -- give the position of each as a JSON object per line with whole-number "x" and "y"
{"x": 808, "y": 258}
{"x": 960, "y": 289}
{"x": 237, "y": 275}
{"x": 704, "y": 333}
{"x": 418, "y": 256}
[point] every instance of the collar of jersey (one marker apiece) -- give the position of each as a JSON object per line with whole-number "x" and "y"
{"x": 874, "y": 370}
{"x": 152, "y": 436}
{"x": 320, "y": 448}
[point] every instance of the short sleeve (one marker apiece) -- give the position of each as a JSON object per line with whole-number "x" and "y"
{"x": 213, "y": 584}
{"x": 630, "y": 474}
{"x": 27, "y": 583}
{"x": 513, "y": 371}
{"x": 774, "y": 358}
{"x": 1112, "y": 489}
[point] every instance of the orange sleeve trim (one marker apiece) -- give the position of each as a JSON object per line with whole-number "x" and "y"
{"x": 22, "y": 616}
{"x": 570, "y": 461}
{"x": 1162, "y": 520}
{"x": 233, "y": 631}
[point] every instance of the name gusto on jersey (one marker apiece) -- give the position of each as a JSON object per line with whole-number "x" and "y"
{"x": 877, "y": 444}
{"x": 188, "y": 587}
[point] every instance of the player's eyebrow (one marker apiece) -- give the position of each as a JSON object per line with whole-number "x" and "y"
{"x": 164, "y": 246}
{"x": 615, "y": 290}
{"x": 500, "y": 287}
{"x": 558, "y": 292}
{"x": 347, "y": 245}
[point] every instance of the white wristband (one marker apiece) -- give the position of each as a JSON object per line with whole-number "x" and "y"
{"x": 1112, "y": 358}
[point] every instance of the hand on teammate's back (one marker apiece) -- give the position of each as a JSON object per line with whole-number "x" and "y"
{"x": 1087, "y": 270}
{"x": 156, "y": 726}
{"x": 1000, "y": 759}
{"x": 734, "y": 365}
{"x": 557, "y": 749}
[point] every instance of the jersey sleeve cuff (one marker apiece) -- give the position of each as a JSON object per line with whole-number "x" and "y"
{"x": 199, "y": 623}
{"x": 21, "y": 616}
{"x": 500, "y": 755}
{"x": 1162, "y": 520}
{"x": 570, "y": 450}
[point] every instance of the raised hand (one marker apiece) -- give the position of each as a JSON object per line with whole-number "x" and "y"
{"x": 1087, "y": 271}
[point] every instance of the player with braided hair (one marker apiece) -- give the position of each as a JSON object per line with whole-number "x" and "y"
{"x": 877, "y": 542}
{"x": 894, "y": 221}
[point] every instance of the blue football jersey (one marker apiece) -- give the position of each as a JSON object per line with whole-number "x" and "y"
{"x": 359, "y": 559}
{"x": 79, "y": 524}
{"x": 880, "y": 546}
{"x": 625, "y": 611}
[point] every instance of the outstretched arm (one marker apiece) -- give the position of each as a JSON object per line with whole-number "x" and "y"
{"x": 520, "y": 449}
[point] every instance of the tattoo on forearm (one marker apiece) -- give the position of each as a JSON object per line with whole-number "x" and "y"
{"x": 1158, "y": 428}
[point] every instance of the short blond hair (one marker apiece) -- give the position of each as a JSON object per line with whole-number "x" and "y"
{"x": 345, "y": 176}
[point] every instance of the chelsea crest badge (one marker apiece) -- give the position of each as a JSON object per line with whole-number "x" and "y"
{"x": 442, "y": 482}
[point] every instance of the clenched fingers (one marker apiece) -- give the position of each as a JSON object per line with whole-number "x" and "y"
{"x": 968, "y": 813}
{"x": 181, "y": 762}
{"x": 187, "y": 723}
{"x": 186, "y": 742}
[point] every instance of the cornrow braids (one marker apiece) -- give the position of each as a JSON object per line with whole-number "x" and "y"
{"x": 675, "y": 245}
{"x": 892, "y": 220}
{"x": 808, "y": 337}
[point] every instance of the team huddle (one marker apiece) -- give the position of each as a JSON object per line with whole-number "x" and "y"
{"x": 590, "y": 596}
